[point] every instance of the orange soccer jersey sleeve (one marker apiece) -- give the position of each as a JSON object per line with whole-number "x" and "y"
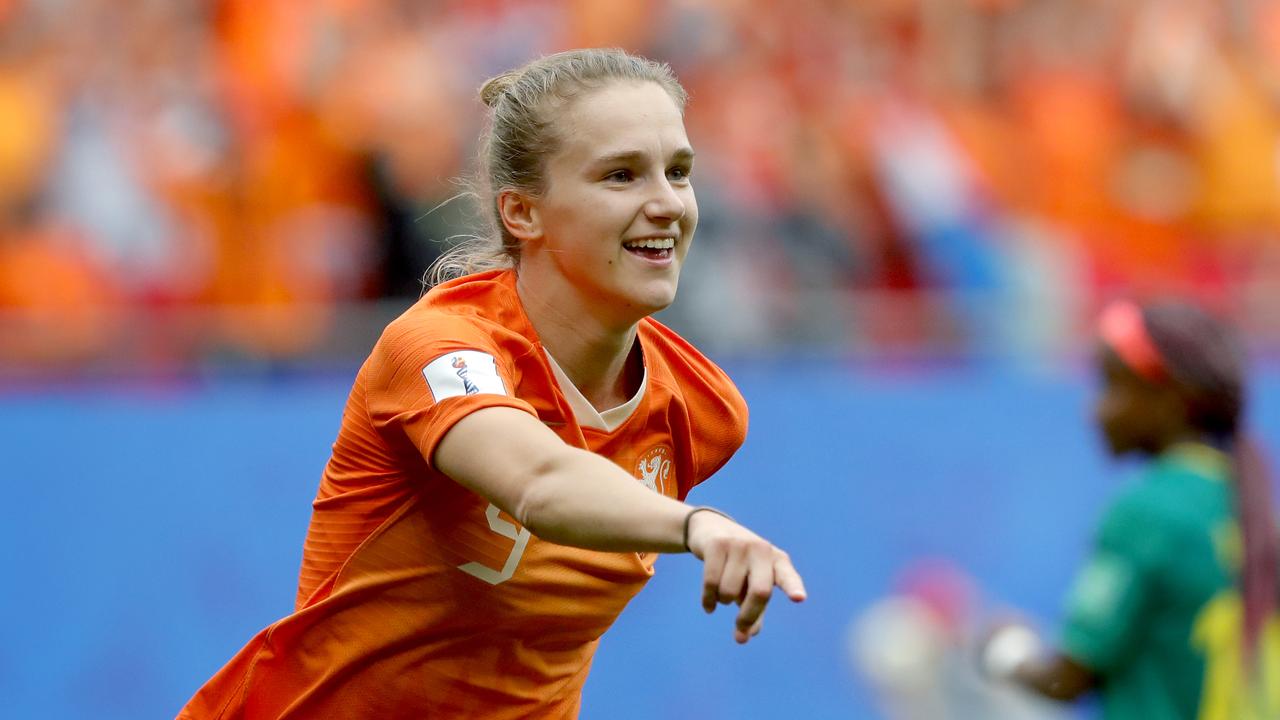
{"x": 426, "y": 376}
{"x": 423, "y": 376}
{"x": 722, "y": 425}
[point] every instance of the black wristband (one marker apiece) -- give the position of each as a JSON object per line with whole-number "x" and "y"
{"x": 687, "y": 518}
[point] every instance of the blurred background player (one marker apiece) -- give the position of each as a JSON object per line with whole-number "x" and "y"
{"x": 517, "y": 448}
{"x": 1173, "y": 616}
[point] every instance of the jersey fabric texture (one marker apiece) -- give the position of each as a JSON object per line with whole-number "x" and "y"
{"x": 417, "y": 598}
{"x": 1165, "y": 549}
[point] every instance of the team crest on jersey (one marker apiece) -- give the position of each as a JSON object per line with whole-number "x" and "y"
{"x": 654, "y": 470}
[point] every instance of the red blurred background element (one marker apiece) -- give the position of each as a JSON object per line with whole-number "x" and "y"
{"x": 186, "y": 179}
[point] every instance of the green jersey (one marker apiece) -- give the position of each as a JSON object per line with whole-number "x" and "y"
{"x": 1155, "y": 612}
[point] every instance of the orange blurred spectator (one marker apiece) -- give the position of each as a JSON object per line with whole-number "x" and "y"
{"x": 56, "y": 308}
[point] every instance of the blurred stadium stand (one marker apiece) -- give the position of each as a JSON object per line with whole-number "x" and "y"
{"x": 910, "y": 211}
{"x": 183, "y": 180}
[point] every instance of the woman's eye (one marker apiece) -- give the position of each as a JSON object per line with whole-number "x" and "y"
{"x": 619, "y": 176}
{"x": 678, "y": 173}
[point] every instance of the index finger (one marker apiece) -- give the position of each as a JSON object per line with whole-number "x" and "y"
{"x": 786, "y": 578}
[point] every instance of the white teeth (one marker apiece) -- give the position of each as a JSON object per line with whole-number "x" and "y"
{"x": 651, "y": 243}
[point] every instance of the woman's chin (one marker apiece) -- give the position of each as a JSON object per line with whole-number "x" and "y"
{"x": 650, "y": 296}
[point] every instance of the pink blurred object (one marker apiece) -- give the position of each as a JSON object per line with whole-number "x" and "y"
{"x": 943, "y": 588}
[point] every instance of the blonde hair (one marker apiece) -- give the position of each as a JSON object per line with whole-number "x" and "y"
{"x": 520, "y": 135}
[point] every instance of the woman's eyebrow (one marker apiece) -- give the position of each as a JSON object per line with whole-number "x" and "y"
{"x": 622, "y": 157}
{"x": 630, "y": 156}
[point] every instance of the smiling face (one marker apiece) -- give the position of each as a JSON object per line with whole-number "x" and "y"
{"x": 617, "y": 215}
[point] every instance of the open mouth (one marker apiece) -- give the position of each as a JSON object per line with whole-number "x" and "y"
{"x": 652, "y": 248}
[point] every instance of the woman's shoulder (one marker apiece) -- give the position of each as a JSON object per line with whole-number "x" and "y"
{"x": 1163, "y": 498}
{"x": 480, "y": 310}
{"x": 1178, "y": 481}
{"x": 717, "y": 411}
{"x": 672, "y": 355}
{"x": 696, "y": 382}
{"x": 484, "y": 295}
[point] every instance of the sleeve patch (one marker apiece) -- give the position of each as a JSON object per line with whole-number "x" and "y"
{"x": 463, "y": 372}
{"x": 1100, "y": 588}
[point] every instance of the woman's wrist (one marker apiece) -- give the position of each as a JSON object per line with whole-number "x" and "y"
{"x": 688, "y": 520}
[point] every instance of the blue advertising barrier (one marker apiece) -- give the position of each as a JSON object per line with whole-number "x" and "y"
{"x": 148, "y": 531}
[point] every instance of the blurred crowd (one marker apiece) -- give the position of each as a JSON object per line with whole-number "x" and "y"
{"x": 870, "y": 172}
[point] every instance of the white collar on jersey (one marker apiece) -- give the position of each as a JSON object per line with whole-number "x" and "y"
{"x": 584, "y": 412}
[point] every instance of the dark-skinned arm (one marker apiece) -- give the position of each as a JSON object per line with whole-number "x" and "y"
{"x": 1012, "y": 652}
{"x": 1055, "y": 676}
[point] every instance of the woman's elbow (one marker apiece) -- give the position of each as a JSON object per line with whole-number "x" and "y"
{"x": 539, "y": 497}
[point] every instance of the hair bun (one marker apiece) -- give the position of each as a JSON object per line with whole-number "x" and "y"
{"x": 493, "y": 89}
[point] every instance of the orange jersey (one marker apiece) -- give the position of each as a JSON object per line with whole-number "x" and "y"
{"x": 417, "y": 597}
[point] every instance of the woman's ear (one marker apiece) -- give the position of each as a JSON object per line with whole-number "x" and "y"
{"x": 519, "y": 215}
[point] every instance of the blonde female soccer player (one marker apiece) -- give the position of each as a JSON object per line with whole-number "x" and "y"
{"x": 520, "y": 442}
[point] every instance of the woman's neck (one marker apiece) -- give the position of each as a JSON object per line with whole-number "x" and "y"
{"x": 596, "y": 356}
{"x": 1187, "y": 438}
